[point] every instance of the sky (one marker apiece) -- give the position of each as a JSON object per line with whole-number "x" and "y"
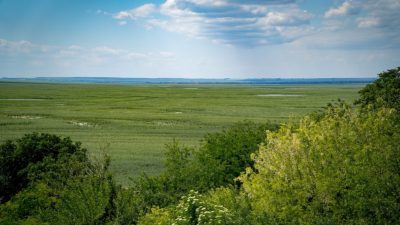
{"x": 199, "y": 38}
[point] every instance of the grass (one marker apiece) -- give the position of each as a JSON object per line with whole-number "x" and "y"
{"x": 134, "y": 122}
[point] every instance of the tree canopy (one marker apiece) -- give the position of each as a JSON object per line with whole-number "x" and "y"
{"x": 383, "y": 92}
{"x": 34, "y": 156}
{"x": 343, "y": 169}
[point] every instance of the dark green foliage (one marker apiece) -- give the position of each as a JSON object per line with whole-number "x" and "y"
{"x": 84, "y": 200}
{"x": 33, "y": 157}
{"x": 383, "y": 92}
{"x": 27, "y": 204}
{"x": 220, "y": 158}
{"x": 57, "y": 183}
{"x": 224, "y": 155}
{"x": 128, "y": 206}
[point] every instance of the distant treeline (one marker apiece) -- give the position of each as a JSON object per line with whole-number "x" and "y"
{"x": 116, "y": 80}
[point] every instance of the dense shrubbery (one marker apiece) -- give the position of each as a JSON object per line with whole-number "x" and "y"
{"x": 339, "y": 166}
{"x": 383, "y": 92}
{"x": 51, "y": 180}
{"x": 343, "y": 169}
{"x": 55, "y": 182}
{"x": 35, "y": 157}
{"x": 219, "y": 159}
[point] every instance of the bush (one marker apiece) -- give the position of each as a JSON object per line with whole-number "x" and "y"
{"x": 342, "y": 169}
{"x": 191, "y": 210}
{"x": 34, "y": 157}
{"x": 383, "y": 92}
{"x": 55, "y": 183}
{"x": 216, "y": 163}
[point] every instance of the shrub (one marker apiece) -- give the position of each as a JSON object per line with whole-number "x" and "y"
{"x": 383, "y": 92}
{"x": 35, "y": 156}
{"x": 191, "y": 210}
{"x": 342, "y": 169}
{"x": 55, "y": 183}
{"x": 216, "y": 163}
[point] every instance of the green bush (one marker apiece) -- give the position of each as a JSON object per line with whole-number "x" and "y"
{"x": 192, "y": 209}
{"x": 55, "y": 182}
{"x": 224, "y": 155}
{"x": 342, "y": 169}
{"x": 35, "y": 156}
{"x": 216, "y": 163}
{"x": 383, "y": 92}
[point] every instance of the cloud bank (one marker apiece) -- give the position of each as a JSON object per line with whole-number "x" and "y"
{"x": 245, "y": 23}
{"x": 269, "y": 22}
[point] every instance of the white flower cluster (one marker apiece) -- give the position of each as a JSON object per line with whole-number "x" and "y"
{"x": 194, "y": 210}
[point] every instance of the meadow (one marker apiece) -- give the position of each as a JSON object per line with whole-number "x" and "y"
{"x": 132, "y": 123}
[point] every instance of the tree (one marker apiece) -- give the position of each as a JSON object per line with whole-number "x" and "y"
{"x": 34, "y": 157}
{"x": 224, "y": 155}
{"x": 383, "y": 92}
{"x": 219, "y": 159}
{"x": 342, "y": 169}
{"x": 47, "y": 179}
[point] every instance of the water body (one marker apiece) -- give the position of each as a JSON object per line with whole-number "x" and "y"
{"x": 263, "y": 81}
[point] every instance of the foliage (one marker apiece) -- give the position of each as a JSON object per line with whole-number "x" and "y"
{"x": 383, "y": 92}
{"x": 84, "y": 202}
{"x": 191, "y": 210}
{"x": 27, "y": 205}
{"x": 224, "y": 155}
{"x": 235, "y": 201}
{"x": 220, "y": 158}
{"x": 34, "y": 156}
{"x": 216, "y": 163}
{"x": 128, "y": 206}
{"x": 157, "y": 216}
{"x": 342, "y": 169}
{"x": 61, "y": 185}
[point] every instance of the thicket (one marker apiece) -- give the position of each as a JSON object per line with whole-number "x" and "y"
{"x": 339, "y": 166}
{"x": 50, "y": 180}
{"x": 383, "y": 92}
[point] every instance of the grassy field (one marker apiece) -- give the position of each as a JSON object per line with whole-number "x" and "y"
{"x": 134, "y": 122}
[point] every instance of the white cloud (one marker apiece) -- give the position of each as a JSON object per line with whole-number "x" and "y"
{"x": 22, "y": 47}
{"x": 292, "y": 17}
{"x": 246, "y": 23}
{"x": 139, "y": 12}
{"x": 255, "y": 9}
{"x": 74, "y": 54}
{"x": 347, "y": 8}
{"x": 379, "y": 20}
{"x": 368, "y": 22}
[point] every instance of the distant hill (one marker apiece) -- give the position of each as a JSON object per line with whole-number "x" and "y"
{"x": 118, "y": 80}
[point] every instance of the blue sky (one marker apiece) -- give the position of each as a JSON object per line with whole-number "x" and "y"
{"x": 199, "y": 38}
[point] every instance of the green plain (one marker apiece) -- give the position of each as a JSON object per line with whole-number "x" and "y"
{"x": 132, "y": 123}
